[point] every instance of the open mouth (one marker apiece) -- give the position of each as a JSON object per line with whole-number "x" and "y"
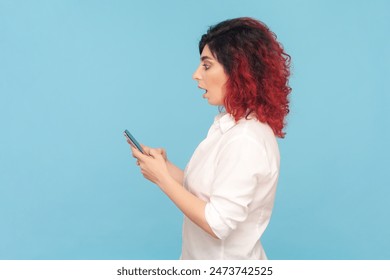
{"x": 205, "y": 90}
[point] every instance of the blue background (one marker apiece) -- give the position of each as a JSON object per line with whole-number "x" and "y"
{"x": 75, "y": 74}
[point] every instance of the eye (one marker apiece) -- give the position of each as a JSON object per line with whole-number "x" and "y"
{"x": 206, "y": 66}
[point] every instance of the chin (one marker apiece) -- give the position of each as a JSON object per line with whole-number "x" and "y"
{"x": 211, "y": 102}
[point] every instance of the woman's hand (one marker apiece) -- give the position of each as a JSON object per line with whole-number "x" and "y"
{"x": 158, "y": 150}
{"x": 153, "y": 164}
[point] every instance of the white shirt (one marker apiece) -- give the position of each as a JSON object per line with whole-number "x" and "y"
{"x": 235, "y": 170}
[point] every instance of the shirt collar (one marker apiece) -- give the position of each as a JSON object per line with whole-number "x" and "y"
{"x": 224, "y": 121}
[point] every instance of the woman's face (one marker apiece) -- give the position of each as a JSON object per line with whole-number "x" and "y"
{"x": 211, "y": 77}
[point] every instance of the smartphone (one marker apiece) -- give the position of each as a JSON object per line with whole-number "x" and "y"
{"x": 132, "y": 140}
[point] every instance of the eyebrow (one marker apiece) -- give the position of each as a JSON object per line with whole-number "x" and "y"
{"x": 202, "y": 58}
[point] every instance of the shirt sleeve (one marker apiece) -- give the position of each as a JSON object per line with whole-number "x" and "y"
{"x": 240, "y": 165}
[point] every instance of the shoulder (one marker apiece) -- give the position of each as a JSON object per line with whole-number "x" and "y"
{"x": 252, "y": 130}
{"x": 253, "y": 138}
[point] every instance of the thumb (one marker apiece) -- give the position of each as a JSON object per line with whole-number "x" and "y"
{"x": 137, "y": 154}
{"x": 154, "y": 153}
{"x": 145, "y": 148}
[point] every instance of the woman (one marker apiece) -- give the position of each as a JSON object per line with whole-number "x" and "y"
{"x": 227, "y": 190}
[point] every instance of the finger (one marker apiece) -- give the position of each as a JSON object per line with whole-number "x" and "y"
{"x": 161, "y": 151}
{"x": 164, "y": 153}
{"x": 132, "y": 151}
{"x": 130, "y": 143}
{"x": 137, "y": 154}
{"x": 146, "y": 149}
{"x": 155, "y": 153}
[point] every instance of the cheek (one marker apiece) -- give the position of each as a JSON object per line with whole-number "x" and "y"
{"x": 216, "y": 80}
{"x": 221, "y": 84}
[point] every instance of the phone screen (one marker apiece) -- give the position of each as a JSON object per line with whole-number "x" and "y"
{"x": 133, "y": 141}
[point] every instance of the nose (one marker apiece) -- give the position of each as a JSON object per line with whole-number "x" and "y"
{"x": 196, "y": 76}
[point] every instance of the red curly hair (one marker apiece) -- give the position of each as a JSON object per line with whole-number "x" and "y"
{"x": 258, "y": 69}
